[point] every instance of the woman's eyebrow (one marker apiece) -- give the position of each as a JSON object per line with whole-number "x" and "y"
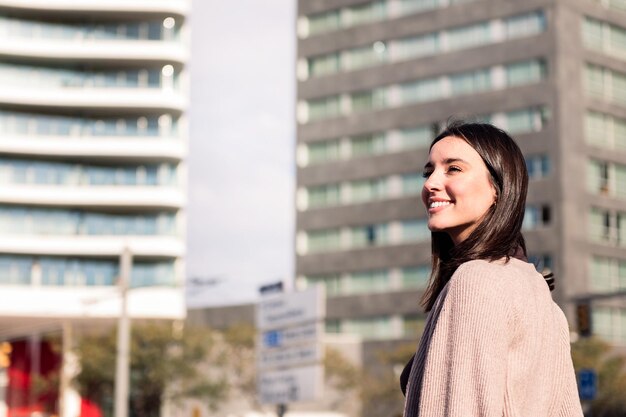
{"x": 447, "y": 161}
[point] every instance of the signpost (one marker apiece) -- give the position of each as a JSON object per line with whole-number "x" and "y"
{"x": 587, "y": 384}
{"x": 289, "y": 346}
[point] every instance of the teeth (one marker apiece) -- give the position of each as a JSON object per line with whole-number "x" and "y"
{"x": 439, "y": 204}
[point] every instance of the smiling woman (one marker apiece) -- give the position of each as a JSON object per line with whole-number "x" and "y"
{"x": 495, "y": 344}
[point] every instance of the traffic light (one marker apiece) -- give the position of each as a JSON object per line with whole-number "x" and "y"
{"x": 5, "y": 354}
{"x": 583, "y": 318}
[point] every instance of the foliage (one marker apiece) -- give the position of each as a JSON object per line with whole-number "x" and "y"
{"x": 381, "y": 394}
{"x": 594, "y": 353}
{"x": 239, "y": 347}
{"x": 165, "y": 365}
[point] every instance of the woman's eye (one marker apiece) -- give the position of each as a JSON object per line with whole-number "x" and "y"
{"x": 426, "y": 174}
{"x": 454, "y": 168}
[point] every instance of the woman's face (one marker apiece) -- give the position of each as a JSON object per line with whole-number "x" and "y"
{"x": 457, "y": 191}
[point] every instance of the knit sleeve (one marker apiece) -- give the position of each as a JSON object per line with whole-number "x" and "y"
{"x": 466, "y": 365}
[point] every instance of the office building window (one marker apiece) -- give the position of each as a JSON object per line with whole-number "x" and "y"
{"x": 525, "y": 72}
{"x": 324, "y": 195}
{"x": 421, "y": 90}
{"x": 369, "y": 328}
{"x": 324, "y": 107}
{"x": 320, "y": 152}
{"x": 473, "y": 82}
{"x": 592, "y": 34}
{"x": 365, "y": 13}
{"x": 368, "y": 190}
{"x": 540, "y": 261}
{"x": 416, "y": 46}
{"x": 370, "y": 144}
{"x": 607, "y": 226}
{"x": 413, "y": 6}
{"x": 604, "y": 37}
{"x": 418, "y": 137}
{"x": 609, "y": 323}
{"x": 416, "y": 276}
{"x": 526, "y": 120}
{"x": 368, "y": 100}
{"x": 323, "y": 65}
{"x": 331, "y": 282}
{"x": 15, "y": 270}
{"x": 323, "y": 240}
{"x": 538, "y": 166}
{"x": 368, "y": 282}
{"x": 536, "y": 216}
{"x": 369, "y": 235}
{"x": 324, "y": 22}
{"x": 607, "y": 274}
{"x": 412, "y": 184}
{"x": 525, "y": 25}
{"x": 465, "y": 37}
{"x": 605, "y": 131}
{"x": 366, "y": 56}
{"x": 415, "y": 230}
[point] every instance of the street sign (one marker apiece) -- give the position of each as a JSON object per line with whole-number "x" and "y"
{"x": 297, "y": 335}
{"x": 283, "y": 310}
{"x": 282, "y": 358}
{"x": 289, "y": 346}
{"x": 587, "y": 384}
{"x": 290, "y": 385}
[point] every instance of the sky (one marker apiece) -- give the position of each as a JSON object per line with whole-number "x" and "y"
{"x": 240, "y": 213}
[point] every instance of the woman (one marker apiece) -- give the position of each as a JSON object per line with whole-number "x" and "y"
{"x": 495, "y": 344}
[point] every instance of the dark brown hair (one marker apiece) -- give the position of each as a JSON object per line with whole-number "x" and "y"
{"x": 499, "y": 233}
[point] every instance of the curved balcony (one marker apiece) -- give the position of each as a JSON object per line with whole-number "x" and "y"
{"x": 127, "y": 51}
{"x": 155, "y": 198}
{"x": 42, "y": 307}
{"x": 112, "y": 99}
{"x": 96, "y": 148}
{"x": 98, "y": 246}
{"x": 120, "y": 7}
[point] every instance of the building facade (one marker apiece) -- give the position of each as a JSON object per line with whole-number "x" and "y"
{"x": 93, "y": 140}
{"x": 378, "y": 79}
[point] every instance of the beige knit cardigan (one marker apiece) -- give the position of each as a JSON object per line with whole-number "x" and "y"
{"x": 495, "y": 344}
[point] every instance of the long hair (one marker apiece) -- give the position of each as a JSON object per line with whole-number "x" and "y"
{"x": 499, "y": 233}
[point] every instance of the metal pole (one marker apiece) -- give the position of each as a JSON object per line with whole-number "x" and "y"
{"x": 123, "y": 338}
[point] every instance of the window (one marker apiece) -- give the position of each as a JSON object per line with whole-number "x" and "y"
{"x": 525, "y": 25}
{"x": 592, "y": 34}
{"x": 536, "y": 216}
{"x": 526, "y": 120}
{"x": 368, "y": 100}
{"x": 324, "y": 65}
{"x": 324, "y": 108}
{"x": 595, "y": 80}
{"x": 415, "y": 277}
{"x": 367, "y": 190}
{"x": 369, "y": 235}
{"x": 15, "y": 270}
{"x": 331, "y": 282}
{"x": 465, "y": 37}
{"x": 538, "y": 166}
{"x": 412, "y": 184}
{"x": 525, "y": 72}
{"x": 369, "y": 328}
{"x": 421, "y": 90}
{"x": 412, "y": 6}
{"x": 609, "y": 323}
{"x": 325, "y": 151}
{"x": 366, "y": 56}
{"x": 368, "y": 282}
{"x": 324, "y": 22}
{"x": 472, "y": 82}
{"x": 324, "y": 195}
{"x": 416, "y": 46}
{"x": 369, "y": 144}
{"x": 418, "y": 137}
{"x": 607, "y": 274}
{"x": 415, "y": 230}
{"x": 366, "y": 13}
{"x": 323, "y": 240}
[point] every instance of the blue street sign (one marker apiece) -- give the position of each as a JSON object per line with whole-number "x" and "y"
{"x": 272, "y": 338}
{"x": 587, "y": 384}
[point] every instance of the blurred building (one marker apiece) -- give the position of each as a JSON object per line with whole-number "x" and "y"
{"x": 93, "y": 137}
{"x": 378, "y": 79}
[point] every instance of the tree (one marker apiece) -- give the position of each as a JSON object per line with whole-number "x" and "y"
{"x": 166, "y": 364}
{"x": 381, "y": 394}
{"x": 594, "y": 353}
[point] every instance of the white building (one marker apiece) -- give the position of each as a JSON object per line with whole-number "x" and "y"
{"x": 93, "y": 141}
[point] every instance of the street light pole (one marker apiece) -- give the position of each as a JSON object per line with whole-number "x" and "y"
{"x": 123, "y": 338}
